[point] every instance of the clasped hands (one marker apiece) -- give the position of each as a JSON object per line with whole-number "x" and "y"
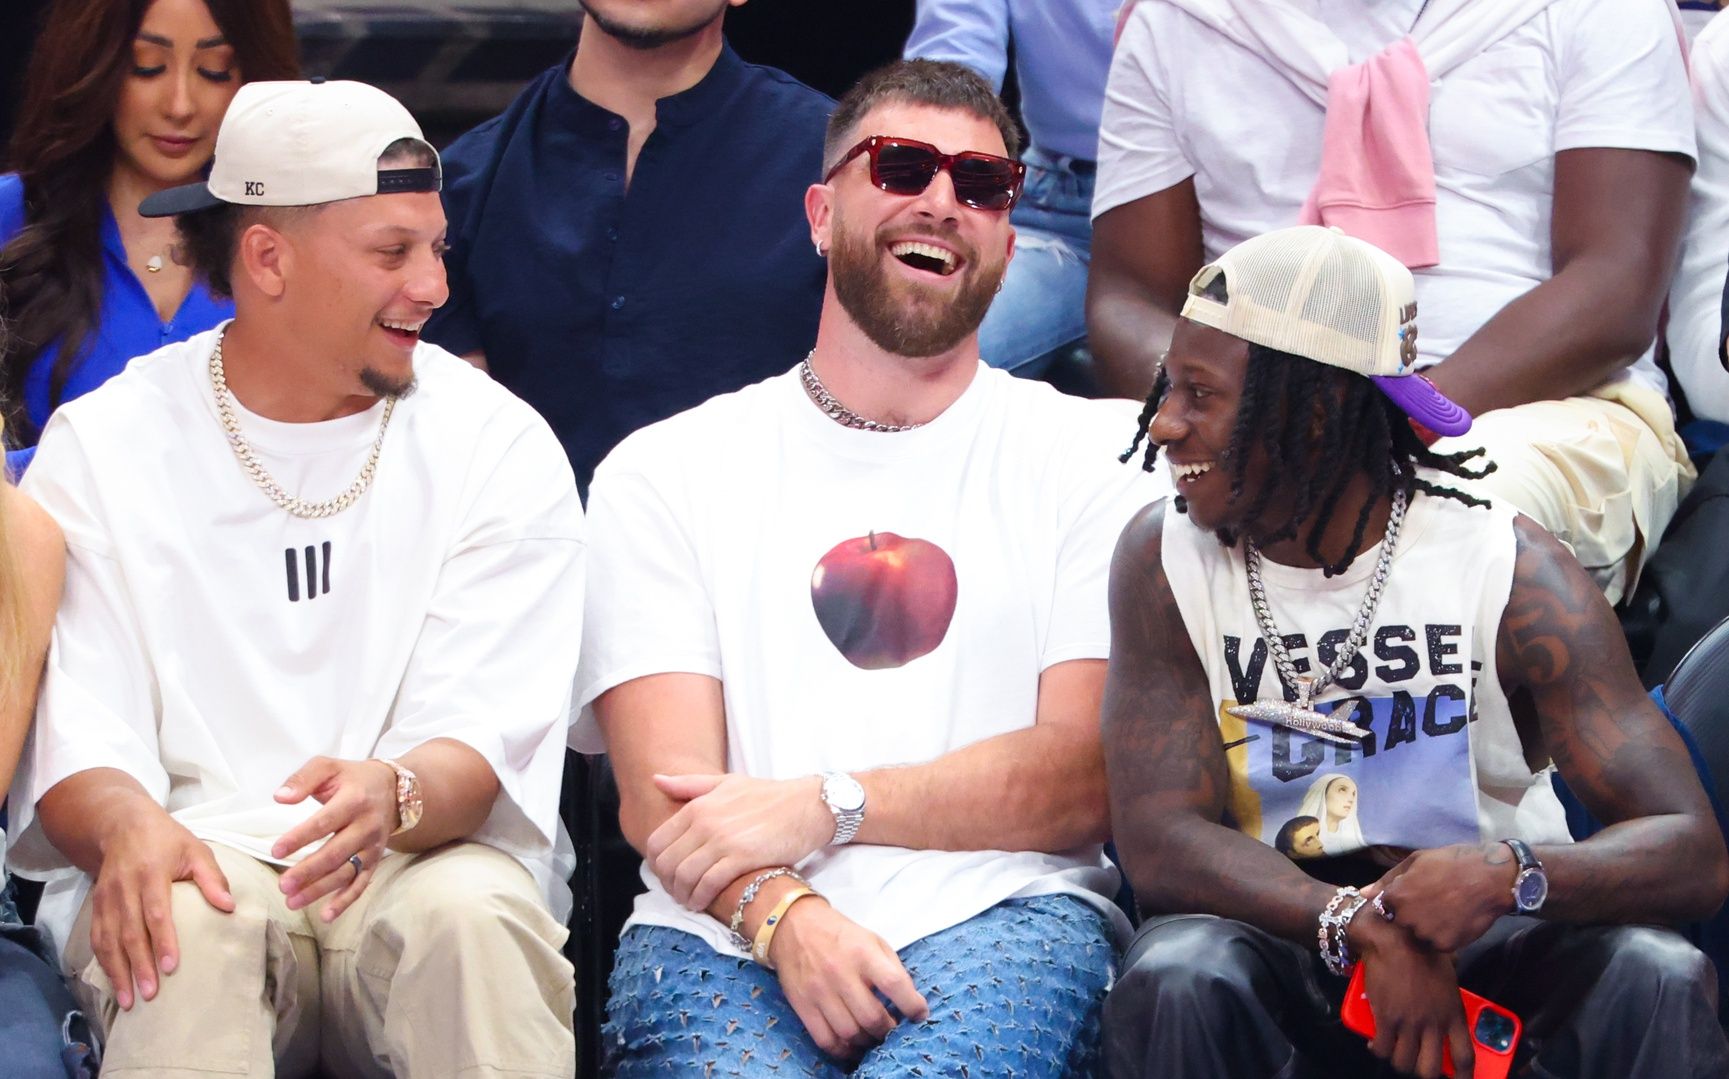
{"x": 132, "y": 930}
{"x": 730, "y": 825}
{"x": 836, "y": 974}
{"x": 1440, "y": 901}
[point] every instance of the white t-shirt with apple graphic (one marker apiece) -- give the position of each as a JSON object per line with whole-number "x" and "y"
{"x": 867, "y": 600}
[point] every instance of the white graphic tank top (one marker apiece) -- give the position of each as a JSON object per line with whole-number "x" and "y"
{"x": 1443, "y": 762}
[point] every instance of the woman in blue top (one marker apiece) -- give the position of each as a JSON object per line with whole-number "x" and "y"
{"x": 122, "y": 98}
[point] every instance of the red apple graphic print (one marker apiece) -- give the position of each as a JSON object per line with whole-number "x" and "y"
{"x": 884, "y": 600}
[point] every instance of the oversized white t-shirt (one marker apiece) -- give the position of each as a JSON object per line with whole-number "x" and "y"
{"x": 1696, "y": 299}
{"x": 866, "y": 600}
{"x": 209, "y": 643}
{"x": 1184, "y": 101}
{"x": 1443, "y": 762}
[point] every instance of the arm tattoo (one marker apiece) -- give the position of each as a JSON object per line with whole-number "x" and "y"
{"x": 1169, "y": 782}
{"x": 1560, "y": 652}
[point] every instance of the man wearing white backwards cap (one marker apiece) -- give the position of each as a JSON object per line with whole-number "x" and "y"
{"x": 1326, "y": 635}
{"x": 295, "y": 773}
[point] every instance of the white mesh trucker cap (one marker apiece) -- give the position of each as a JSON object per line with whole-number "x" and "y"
{"x": 1318, "y": 293}
{"x": 302, "y": 144}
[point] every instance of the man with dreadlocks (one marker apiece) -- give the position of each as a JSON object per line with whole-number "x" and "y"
{"x": 1323, "y": 606}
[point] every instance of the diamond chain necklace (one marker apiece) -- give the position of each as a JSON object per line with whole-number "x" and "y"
{"x": 299, "y": 507}
{"x": 838, "y": 412}
{"x": 1300, "y": 714}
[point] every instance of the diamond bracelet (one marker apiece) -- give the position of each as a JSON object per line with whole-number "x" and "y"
{"x": 1335, "y": 949}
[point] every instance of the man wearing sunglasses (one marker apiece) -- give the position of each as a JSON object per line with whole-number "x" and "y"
{"x": 848, "y": 653}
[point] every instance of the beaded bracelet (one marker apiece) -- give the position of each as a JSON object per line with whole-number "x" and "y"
{"x": 736, "y": 926}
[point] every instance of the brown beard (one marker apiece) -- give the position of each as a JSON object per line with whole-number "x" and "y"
{"x": 902, "y": 317}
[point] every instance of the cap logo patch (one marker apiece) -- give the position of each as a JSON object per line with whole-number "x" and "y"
{"x": 255, "y": 188}
{"x": 1407, "y": 346}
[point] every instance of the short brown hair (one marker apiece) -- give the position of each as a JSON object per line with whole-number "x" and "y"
{"x": 936, "y": 83}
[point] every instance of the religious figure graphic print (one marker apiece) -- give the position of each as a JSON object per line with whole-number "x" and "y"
{"x": 1408, "y": 784}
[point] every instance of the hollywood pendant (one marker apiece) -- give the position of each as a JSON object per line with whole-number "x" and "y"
{"x": 1299, "y": 715}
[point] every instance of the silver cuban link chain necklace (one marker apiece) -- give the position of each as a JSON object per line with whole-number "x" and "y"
{"x": 838, "y": 412}
{"x": 299, "y": 507}
{"x": 1300, "y": 714}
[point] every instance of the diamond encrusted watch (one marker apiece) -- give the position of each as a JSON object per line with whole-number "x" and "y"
{"x": 1531, "y": 886}
{"x": 845, "y": 798}
{"x": 408, "y": 803}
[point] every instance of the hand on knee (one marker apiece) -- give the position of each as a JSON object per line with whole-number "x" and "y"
{"x": 832, "y": 970}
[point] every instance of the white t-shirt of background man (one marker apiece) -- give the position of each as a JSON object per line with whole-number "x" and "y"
{"x": 1695, "y": 324}
{"x": 1184, "y": 101}
{"x": 210, "y": 643}
{"x": 752, "y": 539}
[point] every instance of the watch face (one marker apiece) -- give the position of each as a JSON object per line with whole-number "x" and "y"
{"x": 1530, "y": 891}
{"x": 843, "y": 793}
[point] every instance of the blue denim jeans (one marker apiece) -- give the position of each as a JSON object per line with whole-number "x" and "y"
{"x": 1014, "y": 992}
{"x": 1042, "y": 307}
{"x": 36, "y": 1008}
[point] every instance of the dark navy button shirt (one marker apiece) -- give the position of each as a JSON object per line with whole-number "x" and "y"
{"x": 126, "y": 326}
{"x": 609, "y": 309}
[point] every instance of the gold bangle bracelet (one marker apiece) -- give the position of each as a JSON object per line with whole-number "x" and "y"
{"x": 765, "y": 933}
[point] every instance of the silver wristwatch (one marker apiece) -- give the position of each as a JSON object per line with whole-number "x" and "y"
{"x": 845, "y": 798}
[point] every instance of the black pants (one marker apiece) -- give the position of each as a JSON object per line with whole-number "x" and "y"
{"x": 1210, "y": 998}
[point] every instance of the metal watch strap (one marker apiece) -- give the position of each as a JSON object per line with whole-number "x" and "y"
{"x": 408, "y": 799}
{"x": 846, "y": 821}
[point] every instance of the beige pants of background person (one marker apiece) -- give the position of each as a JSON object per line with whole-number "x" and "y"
{"x": 448, "y": 965}
{"x": 1602, "y": 473}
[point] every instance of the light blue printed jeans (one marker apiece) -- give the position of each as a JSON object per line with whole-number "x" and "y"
{"x": 1014, "y": 993}
{"x": 42, "y": 1034}
{"x": 1042, "y": 307}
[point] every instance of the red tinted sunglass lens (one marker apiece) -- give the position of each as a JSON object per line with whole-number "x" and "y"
{"x": 985, "y": 184}
{"x": 904, "y": 170}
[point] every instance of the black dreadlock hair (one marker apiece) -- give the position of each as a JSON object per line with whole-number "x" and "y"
{"x": 1316, "y": 421}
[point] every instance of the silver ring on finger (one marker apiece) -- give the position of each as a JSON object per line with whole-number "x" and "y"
{"x": 1382, "y": 909}
{"x": 354, "y": 860}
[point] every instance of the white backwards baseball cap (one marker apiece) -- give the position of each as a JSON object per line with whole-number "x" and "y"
{"x": 302, "y": 144}
{"x": 1320, "y": 294}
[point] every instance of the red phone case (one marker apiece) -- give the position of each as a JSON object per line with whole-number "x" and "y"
{"x": 1355, "y": 1014}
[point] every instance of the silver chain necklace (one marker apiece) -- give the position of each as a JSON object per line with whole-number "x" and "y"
{"x": 1300, "y": 714}
{"x": 838, "y": 412}
{"x": 299, "y": 507}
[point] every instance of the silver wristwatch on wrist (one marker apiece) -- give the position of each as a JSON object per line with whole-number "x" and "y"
{"x": 845, "y": 798}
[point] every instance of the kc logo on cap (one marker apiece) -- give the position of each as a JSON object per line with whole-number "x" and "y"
{"x": 305, "y": 144}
